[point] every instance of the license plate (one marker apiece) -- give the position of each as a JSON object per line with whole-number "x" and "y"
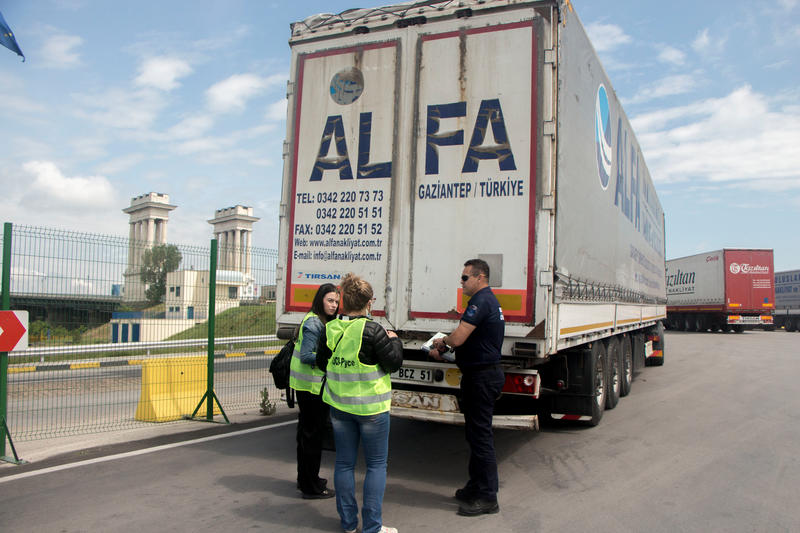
{"x": 417, "y": 375}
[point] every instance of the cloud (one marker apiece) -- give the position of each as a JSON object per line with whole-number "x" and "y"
{"x": 190, "y": 127}
{"x": 788, "y": 5}
{"x": 120, "y": 164}
{"x": 706, "y": 45}
{"x": 58, "y": 51}
{"x": 162, "y": 73}
{"x": 606, "y": 37}
{"x": 668, "y": 54}
{"x": 277, "y": 110}
{"x": 50, "y": 188}
{"x": 122, "y": 109}
{"x": 668, "y": 86}
{"x": 233, "y": 93}
{"x": 743, "y": 137}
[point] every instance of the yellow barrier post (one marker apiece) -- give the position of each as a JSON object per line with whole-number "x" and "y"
{"x": 171, "y": 387}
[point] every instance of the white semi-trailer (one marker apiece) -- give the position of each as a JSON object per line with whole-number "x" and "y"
{"x": 424, "y": 134}
{"x": 787, "y": 300}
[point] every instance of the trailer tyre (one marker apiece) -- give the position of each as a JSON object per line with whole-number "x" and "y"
{"x": 596, "y": 373}
{"x": 626, "y": 351}
{"x": 614, "y": 373}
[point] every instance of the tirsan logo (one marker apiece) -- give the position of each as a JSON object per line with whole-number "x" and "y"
{"x": 746, "y": 268}
{"x": 710, "y": 258}
{"x": 602, "y": 136}
{"x": 317, "y": 275}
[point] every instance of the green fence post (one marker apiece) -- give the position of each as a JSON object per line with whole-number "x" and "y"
{"x": 210, "y": 396}
{"x": 212, "y": 313}
{"x": 6, "y": 305}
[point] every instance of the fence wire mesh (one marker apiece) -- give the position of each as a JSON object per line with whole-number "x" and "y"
{"x": 118, "y": 331}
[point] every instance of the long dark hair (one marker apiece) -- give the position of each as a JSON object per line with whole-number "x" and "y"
{"x": 317, "y": 306}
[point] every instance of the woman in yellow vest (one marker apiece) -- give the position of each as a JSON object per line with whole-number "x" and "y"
{"x": 358, "y": 355}
{"x": 306, "y": 379}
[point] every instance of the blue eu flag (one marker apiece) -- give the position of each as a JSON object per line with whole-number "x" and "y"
{"x": 7, "y": 38}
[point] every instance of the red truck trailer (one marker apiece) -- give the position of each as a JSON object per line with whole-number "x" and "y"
{"x": 730, "y": 289}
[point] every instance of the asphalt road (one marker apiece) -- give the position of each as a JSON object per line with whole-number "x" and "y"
{"x": 708, "y": 442}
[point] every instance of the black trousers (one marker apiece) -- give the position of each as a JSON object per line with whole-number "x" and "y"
{"x": 311, "y": 427}
{"x": 479, "y": 392}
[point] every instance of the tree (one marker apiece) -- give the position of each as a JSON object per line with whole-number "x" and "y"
{"x": 157, "y": 262}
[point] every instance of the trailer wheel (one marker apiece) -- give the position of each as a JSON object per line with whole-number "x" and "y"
{"x": 626, "y": 350}
{"x": 738, "y": 328}
{"x": 700, "y": 324}
{"x": 614, "y": 372}
{"x": 725, "y": 327}
{"x": 596, "y": 364}
{"x": 790, "y": 325}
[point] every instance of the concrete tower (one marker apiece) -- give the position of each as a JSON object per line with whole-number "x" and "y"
{"x": 149, "y": 214}
{"x": 233, "y": 229}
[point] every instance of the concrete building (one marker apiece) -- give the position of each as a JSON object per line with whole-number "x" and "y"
{"x": 233, "y": 229}
{"x": 187, "y": 293}
{"x": 149, "y": 214}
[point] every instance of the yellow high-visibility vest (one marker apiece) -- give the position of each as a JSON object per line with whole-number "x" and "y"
{"x": 304, "y": 377}
{"x": 351, "y": 386}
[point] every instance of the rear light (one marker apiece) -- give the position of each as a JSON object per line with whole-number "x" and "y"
{"x": 522, "y": 383}
{"x": 733, "y": 319}
{"x": 767, "y": 319}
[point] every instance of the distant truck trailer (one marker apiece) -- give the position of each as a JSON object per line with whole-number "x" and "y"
{"x": 787, "y": 300}
{"x": 723, "y": 290}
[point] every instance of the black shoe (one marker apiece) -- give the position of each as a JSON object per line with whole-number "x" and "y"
{"x": 463, "y": 495}
{"x": 322, "y": 481}
{"x": 478, "y": 506}
{"x": 325, "y": 494}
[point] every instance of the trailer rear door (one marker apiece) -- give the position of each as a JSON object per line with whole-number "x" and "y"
{"x": 749, "y": 281}
{"x": 474, "y": 185}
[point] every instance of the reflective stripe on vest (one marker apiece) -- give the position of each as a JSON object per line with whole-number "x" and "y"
{"x": 304, "y": 377}
{"x": 351, "y": 386}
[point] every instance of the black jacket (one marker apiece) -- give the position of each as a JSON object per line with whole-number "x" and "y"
{"x": 377, "y": 348}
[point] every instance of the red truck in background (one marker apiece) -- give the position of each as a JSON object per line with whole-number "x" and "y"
{"x": 724, "y": 290}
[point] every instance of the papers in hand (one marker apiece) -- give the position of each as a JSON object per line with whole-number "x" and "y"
{"x": 428, "y": 346}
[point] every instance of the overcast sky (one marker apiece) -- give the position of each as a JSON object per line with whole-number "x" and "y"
{"x": 188, "y": 98}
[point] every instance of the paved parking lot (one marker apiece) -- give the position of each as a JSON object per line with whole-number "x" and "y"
{"x": 705, "y": 443}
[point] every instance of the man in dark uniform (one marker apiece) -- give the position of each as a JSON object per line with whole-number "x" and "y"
{"x": 478, "y": 340}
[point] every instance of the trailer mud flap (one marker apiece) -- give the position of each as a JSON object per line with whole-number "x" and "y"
{"x": 443, "y": 408}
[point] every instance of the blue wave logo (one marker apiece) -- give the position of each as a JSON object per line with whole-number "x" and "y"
{"x": 602, "y": 136}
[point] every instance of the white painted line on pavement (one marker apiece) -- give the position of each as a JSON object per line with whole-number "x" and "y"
{"x": 144, "y": 451}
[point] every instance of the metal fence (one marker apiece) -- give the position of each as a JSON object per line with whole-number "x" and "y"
{"x": 118, "y": 331}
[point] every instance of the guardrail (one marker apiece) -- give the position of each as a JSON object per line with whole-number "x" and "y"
{"x": 67, "y": 349}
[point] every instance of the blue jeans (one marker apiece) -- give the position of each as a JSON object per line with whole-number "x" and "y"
{"x": 373, "y": 432}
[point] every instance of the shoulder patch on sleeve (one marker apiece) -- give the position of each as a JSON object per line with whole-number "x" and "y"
{"x": 471, "y": 311}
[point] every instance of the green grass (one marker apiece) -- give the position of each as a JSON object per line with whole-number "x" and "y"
{"x": 235, "y": 322}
